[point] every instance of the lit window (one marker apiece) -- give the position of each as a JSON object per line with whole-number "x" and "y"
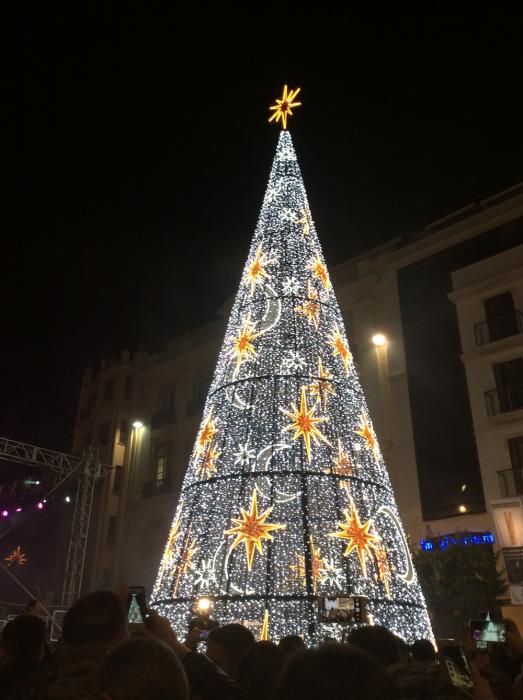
{"x": 161, "y": 467}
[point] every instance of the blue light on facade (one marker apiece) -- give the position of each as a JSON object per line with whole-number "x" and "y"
{"x": 459, "y": 539}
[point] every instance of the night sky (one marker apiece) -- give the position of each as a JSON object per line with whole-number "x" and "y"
{"x": 142, "y": 151}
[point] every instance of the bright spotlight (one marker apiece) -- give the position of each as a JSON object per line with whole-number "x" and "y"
{"x": 204, "y": 605}
{"x": 379, "y": 339}
{"x": 137, "y": 424}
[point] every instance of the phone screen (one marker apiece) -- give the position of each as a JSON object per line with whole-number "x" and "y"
{"x": 343, "y": 610}
{"x": 136, "y": 608}
{"x": 456, "y": 664}
{"x": 204, "y": 634}
{"x": 483, "y": 631}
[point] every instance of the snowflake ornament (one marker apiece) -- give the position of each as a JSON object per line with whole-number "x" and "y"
{"x": 291, "y": 286}
{"x": 206, "y": 575}
{"x": 332, "y": 575}
{"x": 294, "y": 361}
{"x": 244, "y": 455}
{"x": 287, "y": 214}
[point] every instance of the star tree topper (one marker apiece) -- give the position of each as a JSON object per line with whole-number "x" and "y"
{"x": 283, "y": 108}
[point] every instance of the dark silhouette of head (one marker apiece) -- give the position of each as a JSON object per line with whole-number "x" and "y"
{"x": 24, "y": 638}
{"x": 98, "y": 618}
{"x": 334, "y": 671}
{"x": 226, "y": 645}
{"x": 291, "y": 644}
{"x": 378, "y": 642}
{"x": 422, "y": 651}
{"x": 141, "y": 668}
{"x": 259, "y": 670}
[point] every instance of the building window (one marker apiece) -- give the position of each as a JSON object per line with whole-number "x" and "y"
{"x": 124, "y": 431}
{"x": 117, "y": 479}
{"x": 202, "y": 385}
{"x": 161, "y": 467}
{"x": 515, "y": 447}
{"x": 500, "y": 316}
{"x": 111, "y": 529}
{"x": 509, "y": 384}
{"x": 169, "y": 399}
{"x": 103, "y": 434}
{"x": 128, "y": 390}
{"x": 109, "y": 390}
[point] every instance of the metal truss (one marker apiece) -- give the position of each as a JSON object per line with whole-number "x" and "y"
{"x": 86, "y": 469}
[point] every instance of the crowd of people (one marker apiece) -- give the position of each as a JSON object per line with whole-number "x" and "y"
{"x": 101, "y": 656}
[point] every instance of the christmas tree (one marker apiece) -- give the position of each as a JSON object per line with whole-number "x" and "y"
{"x": 286, "y": 499}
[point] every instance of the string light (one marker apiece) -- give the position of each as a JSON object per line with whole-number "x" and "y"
{"x": 286, "y": 496}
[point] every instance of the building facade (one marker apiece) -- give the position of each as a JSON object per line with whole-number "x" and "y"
{"x": 445, "y": 390}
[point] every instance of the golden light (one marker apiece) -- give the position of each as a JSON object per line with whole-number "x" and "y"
{"x": 204, "y": 605}
{"x": 340, "y": 348}
{"x": 462, "y": 508}
{"x": 283, "y": 107}
{"x": 379, "y": 340}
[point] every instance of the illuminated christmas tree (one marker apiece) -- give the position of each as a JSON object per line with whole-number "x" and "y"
{"x": 286, "y": 496}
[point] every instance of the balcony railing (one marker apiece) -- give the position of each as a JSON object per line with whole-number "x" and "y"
{"x": 158, "y": 487}
{"x": 502, "y": 326}
{"x": 163, "y": 418}
{"x": 504, "y": 399}
{"x": 510, "y": 482}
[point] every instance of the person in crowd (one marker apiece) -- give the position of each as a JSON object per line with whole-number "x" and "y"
{"x": 403, "y": 650}
{"x": 337, "y": 671}
{"x": 92, "y": 626}
{"x": 23, "y": 640}
{"x": 258, "y": 671}
{"x": 423, "y": 652}
{"x": 291, "y": 644}
{"x": 378, "y": 642}
{"x": 226, "y": 645}
{"x": 141, "y": 668}
{"x": 206, "y": 679}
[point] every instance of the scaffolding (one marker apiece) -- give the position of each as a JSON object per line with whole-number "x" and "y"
{"x": 86, "y": 469}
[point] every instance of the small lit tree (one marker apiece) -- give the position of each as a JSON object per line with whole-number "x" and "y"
{"x": 459, "y": 582}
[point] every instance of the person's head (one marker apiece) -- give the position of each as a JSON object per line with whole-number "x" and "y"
{"x": 24, "y": 638}
{"x": 226, "y": 645}
{"x": 378, "y": 642}
{"x": 141, "y": 668}
{"x": 333, "y": 671}
{"x": 403, "y": 650}
{"x": 422, "y": 651}
{"x": 98, "y": 618}
{"x": 291, "y": 644}
{"x": 259, "y": 670}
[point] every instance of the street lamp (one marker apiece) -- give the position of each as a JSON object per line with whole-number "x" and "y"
{"x": 137, "y": 424}
{"x": 379, "y": 339}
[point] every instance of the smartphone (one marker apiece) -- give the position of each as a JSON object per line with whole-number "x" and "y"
{"x": 344, "y": 610}
{"x": 455, "y": 664}
{"x": 203, "y": 635}
{"x": 483, "y": 631}
{"x": 136, "y": 607}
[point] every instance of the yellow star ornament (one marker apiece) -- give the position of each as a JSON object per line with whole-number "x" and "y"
{"x": 283, "y": 108}
{"x": 251, "y": 529}
{"x": 207, "y": 433}
{"x": 367, "y": 433}
{"x": 340, "y": 347}
{"x": 319, "y": 271}
{"x": 256, "y": 272}
{"x": 310, "y": 307}
{"x": 322, "y": 388}
{"x": 242, "y": 347}
{"x": 17, "y": 556}
{"x": 305, "y": 423}
{"x": 357, "y": 535}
